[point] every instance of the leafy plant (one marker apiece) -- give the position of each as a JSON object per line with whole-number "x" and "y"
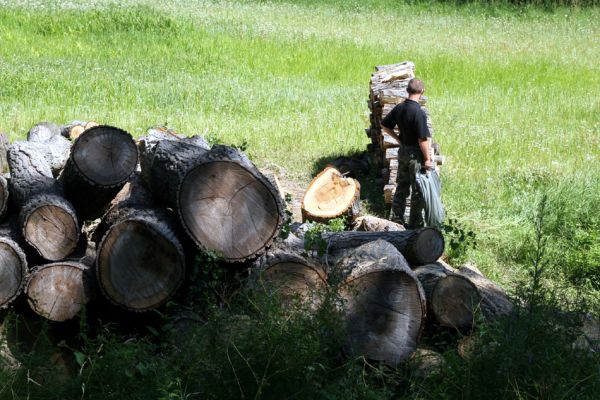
{"x": 459, "y": 240}
{"x": 313, "y": 238}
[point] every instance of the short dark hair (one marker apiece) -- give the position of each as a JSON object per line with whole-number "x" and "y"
{"x": 415, "y": 86}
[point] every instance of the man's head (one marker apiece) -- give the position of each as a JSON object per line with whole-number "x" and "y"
{"x": 415, "y": 86}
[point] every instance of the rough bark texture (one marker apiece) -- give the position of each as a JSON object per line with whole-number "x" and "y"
{"x": 3, "y": 197}
{"x": 384, "y": 303}
{"x": 140, "y": 260}
{"x": 419, "y": 247}
{"x": 43, "y": 132}
{"x": 58, "y": 291}
{"x": 48, "y": 221}
{"x": 331, "y": 195}
{"x": 165, "y": 159}
{"x": 226, "y": 205}
{"x": 494, "y": 301}
{"x": 369, "y": 223}
{"x": 291, "y": 275}
{"x": 101, "y": 161}
{"x": 13, "y": 271}
{"x": 4, "y": 143}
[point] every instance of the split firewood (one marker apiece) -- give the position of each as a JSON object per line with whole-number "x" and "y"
{"x": 384, "y": 303}
{"x": 140, "y": 259}
{"x": 101, "y": 161}
{"x": 47, "y": 221}
{"x": 331, "y": 195}
{"x": 74, "y": 129}
{"x": 420, "y": 246}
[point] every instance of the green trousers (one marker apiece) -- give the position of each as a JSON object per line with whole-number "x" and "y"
{"x": 410, "y": 160}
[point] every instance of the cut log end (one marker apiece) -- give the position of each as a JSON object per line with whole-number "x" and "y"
{"x": 331, "y": 195}
{"x": 227, "y": 208}
{"x": 52, "y": 230}
{"x": 58, "y": 291}
{"x": 138, "y": 267}
{"x": 428, "y": 246}
{"x": 105, "y": 155}
{"x": 13, "y": 271}
{"x": 454, "y": 301}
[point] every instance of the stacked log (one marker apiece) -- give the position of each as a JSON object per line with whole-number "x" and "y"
{"x": 387, "y": 89}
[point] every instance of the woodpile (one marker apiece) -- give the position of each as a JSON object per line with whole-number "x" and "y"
{"x": 387, "y": 89}
{"x": 83, "y": 219}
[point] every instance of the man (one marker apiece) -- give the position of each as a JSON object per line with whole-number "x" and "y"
{"x": 413, "y": 153}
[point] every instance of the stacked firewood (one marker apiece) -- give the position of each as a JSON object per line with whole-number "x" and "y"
{"x": 387, "y": 89}
{"x": 106, "y": 212}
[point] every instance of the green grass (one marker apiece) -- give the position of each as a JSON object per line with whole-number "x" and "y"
{"x": 513, "y": 93}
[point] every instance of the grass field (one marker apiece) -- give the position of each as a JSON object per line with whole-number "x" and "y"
{"x": 513, "y": 93}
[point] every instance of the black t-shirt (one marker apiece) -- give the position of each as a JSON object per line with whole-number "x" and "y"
{"x": 411, "y": 121}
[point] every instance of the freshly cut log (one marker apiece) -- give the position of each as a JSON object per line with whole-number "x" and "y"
{"x": 454, "y": 296}
{"x": 58, "y": 291}
{"x": 140, "y": 260}
{"x": 101, "y": 161}
{"x": 384, "y": 303}
{"x": 369, "y": 223}
{"x": 13, "y": 271}
{"x": 331, "y": 195}
{"x": 227, "y": 205}
{"x": 292, "y": 276}
{"x": 419, "y": 246}
{"x": 165, "y": 158}
{"x": 47, "y": 220}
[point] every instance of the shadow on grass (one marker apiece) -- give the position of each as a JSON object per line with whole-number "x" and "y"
{"x": 358, "y": 165}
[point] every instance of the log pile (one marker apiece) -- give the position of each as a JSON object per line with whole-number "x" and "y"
{"x": 83, "y": 219}
{"x": 387, "y": 89}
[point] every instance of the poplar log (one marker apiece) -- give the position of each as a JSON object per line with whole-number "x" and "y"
{"x": 140, "y": 260}
{"x": 420, "y": 246}
{"x": 369, "y": 223}
{"x": 101, "y": 161}
{"x": 58, "y": 291}
{"x": 384, "y": 303}
{"x": 13, "y": 271}
{"x": 227, "y": 205}
{"x": 3, "y": 197}
{"x": 4, "y": 143}
{"x": 331, "y": 195}
{"x": 47, "y": 220}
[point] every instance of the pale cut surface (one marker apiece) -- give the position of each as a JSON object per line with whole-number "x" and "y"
{"x": 292, "y": 278}
{"x": 105, "y": 155}
{"x": 385, "y": 315}
{"x": 227, "y": 209}
{"x": 329, "y": 194}
{"x": 11, "y": 272}
{"x": 454, "y": 300}
{"x": 52, "y": 232}
{"x": 137, "y": 267}
{"x": 58, "y": 291}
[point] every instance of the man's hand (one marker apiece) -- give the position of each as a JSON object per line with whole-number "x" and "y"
{"x": 428, "y": 164}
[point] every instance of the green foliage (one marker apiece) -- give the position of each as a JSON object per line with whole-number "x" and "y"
{"x": 286, "y": 227}
{"x": 459, "y": 240}
{"x": 313, "y": 238}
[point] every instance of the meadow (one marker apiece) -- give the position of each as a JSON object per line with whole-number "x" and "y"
{"x": 513, "y": 93}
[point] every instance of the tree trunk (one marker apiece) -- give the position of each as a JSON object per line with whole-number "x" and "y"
{"x": 331, "y": 195}
{"x": 369, "y": 223}
{"x": 420, "y": 246}
{"x": 3, "y": 197}
{"x": 58, "y": 291}
{"x": 226, "y": 205}
{"x": 292, "y": 276}
{"x": 47, "y": 220}
{"x": 384, "y": 303}
{"x": 43, "y": 132}
{"x": 101, "y": 161}
{"x": 13, "y": 271}
{"x": 4, "y": 143}
{"x": 140, "y": 260}
{"x": 453, "y": 296}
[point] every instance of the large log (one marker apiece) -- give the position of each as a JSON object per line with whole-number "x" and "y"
{"x": 4, "y": 143}
{"x": 42, "y": 132}
{"x": 420, "y": 246}
{"x": 13, "y": 271}
{"x": 58, "y": 291}
{"x": 369, "y": 223}
{"x": 384, "y": 303}
{"x": 227, "y": 205}
{"x": 331, "y": 195}
{"x": 140, "y": 260}
{"x": 102, "y": 160}
{"x": 47, "y": 220}
{"x": 3, "y": 197}
{"x": 454, "y": 296}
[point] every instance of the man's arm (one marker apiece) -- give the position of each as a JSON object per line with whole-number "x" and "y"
{"x": 424, "y": 145}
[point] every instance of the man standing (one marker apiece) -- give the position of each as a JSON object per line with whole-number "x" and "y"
{"x": 413, "y": 153}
